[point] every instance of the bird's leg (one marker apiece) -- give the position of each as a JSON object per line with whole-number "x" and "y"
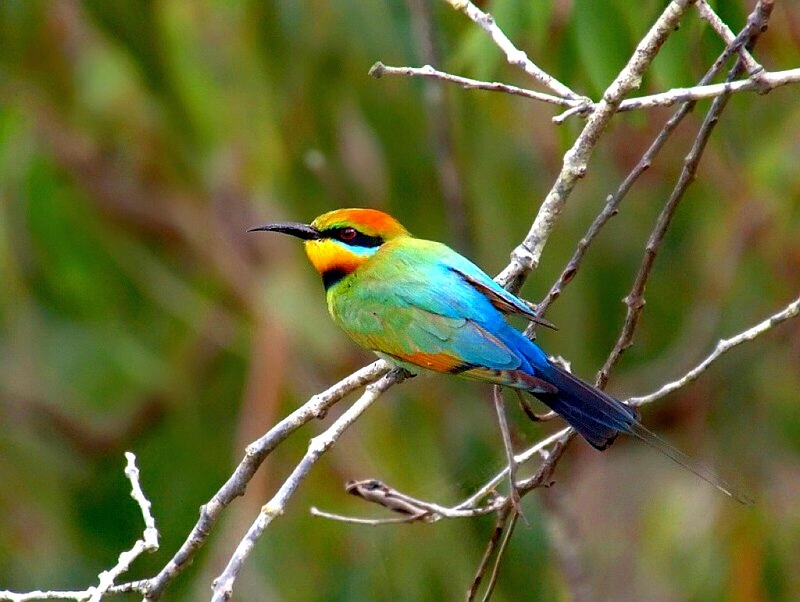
{"x": 512, "y": 463}
{"x": 530, "y": 412}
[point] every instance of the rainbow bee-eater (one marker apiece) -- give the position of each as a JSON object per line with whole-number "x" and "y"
{"x": 424, "y": 307}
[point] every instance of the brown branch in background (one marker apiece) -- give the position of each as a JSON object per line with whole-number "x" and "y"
{"x": 440, "y": 130}
{"x": 756, "y": 24}
{"x": 504, "y": 525}
{"x": 562, "y": 531}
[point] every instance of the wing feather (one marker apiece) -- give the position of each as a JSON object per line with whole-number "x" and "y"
{"x": 416, "y": 304}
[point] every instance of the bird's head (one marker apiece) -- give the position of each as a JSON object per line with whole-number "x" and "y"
{"x": 339, "y": 241}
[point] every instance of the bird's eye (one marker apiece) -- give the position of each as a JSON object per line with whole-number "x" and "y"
{"x": 347, "y": 233}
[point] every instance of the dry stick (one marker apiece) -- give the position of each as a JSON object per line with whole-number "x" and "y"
{"x": 761, "y": 82}
{"x": 378, "y": 70}
{"x": 525, "y": 257}
{"x": 613, "y": 201}
{"x": 223, "y": 585}
{"x": 723, "y": 346}
{"x": 513, "y": 55}
{"x": 255, "y": 454}
{"x": 756, "y": 23}
{"x": 500, "y": 409}
{"x": 512, "y": 522}
{"x": 724, "y": 32}
{"x": 497, "y": 533}
{"x": 148, "y": 543}
{"x": 427, "y": 511}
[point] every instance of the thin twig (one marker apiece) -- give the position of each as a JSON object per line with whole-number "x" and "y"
{"x": 378, "y": 70}
{"x": 417, "y": 509}
{"x": 724, "y": 32}
{"x": 500, "y": 410}
{"x": 256, "y": 452}
{"x": 525, "y": 257}
{"x": 723, "y": 346}
{"x": 501, "y": 550}
{"x": 223, "y": 585}
{"x": 148, "y": 543}
{"x": 514, "y": 56}
{"x": 635, "y": 299}
{"x": 499, "y": 526}
{"x": 761, "y": 82}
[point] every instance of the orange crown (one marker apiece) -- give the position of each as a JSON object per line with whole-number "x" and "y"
{"x": 369, "y": 221}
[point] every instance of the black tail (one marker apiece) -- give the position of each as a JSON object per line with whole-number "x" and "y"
{"x": 599, "y": 418}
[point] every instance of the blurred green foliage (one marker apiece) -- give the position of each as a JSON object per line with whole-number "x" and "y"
{"x": 140, "y": 138}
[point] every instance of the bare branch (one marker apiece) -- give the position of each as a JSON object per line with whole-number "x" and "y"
{"x": 514, "y": 56}
{"x": 635, "y": 299}
{"x": 378, "y": 70}
{"x": 506, "y": 515}
{"x": 377, "y": 492}
{"x": 148, "y": 543}
{"x": 723, "y": 346}
{"x": 525, "y": 257}
{"x": 223, "y": 585}
{"x": 255, "y": 454}
{"x": 724, "y": 32}
{"x": 762, "y": 82}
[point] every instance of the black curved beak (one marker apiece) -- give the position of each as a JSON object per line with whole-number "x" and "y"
{"x": 302, "y": 231}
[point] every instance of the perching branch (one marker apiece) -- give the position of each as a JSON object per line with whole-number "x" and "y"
{"x": 223, "y": 585}
{"x": 255, "y": 454}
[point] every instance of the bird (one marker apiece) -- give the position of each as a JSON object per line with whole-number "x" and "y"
{"x": 424, "y": 307}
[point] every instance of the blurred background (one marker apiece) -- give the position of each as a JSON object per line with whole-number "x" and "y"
{"x": 140, "y": 138}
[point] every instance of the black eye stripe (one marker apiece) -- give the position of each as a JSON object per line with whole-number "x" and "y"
{"x": 359, "y": 240}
